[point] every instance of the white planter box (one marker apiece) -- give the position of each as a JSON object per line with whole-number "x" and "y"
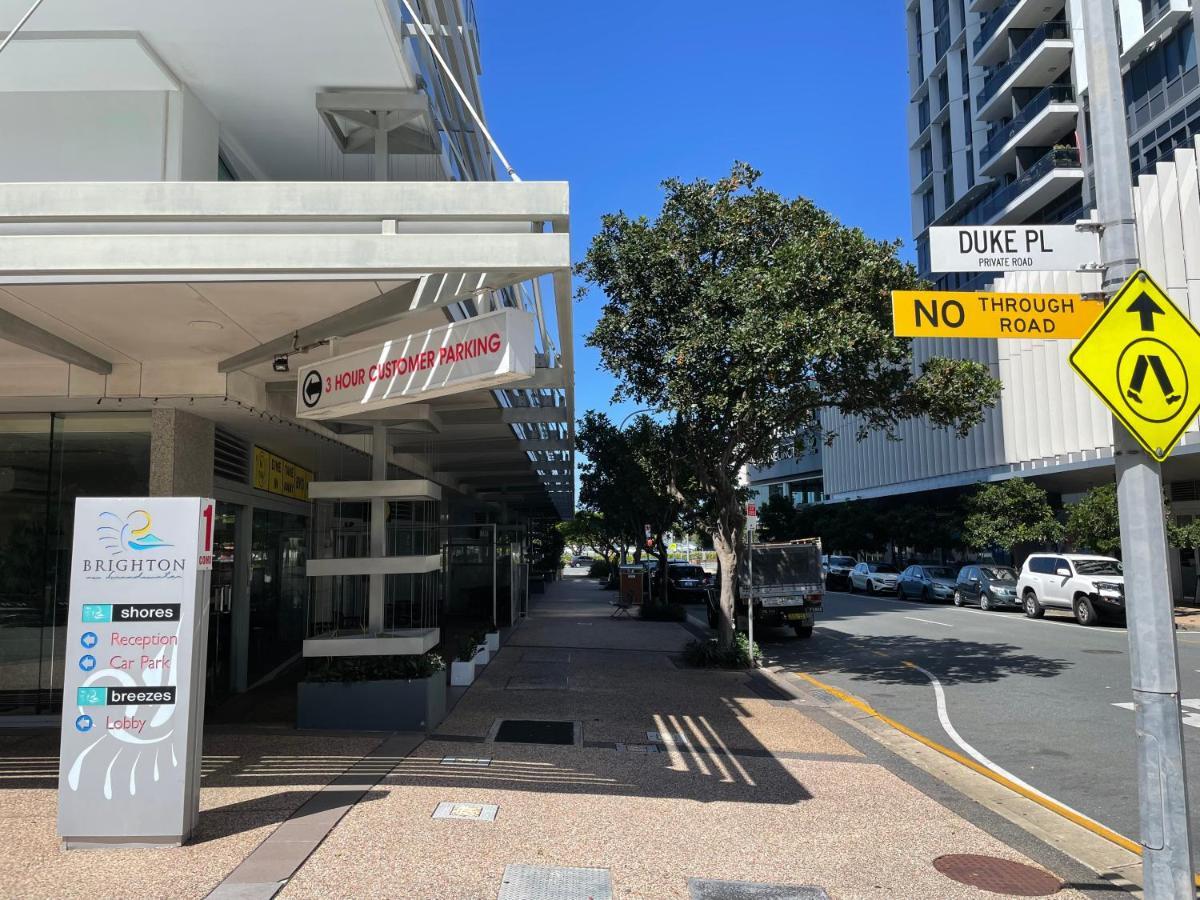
{"x": 482, "y": 656}
{"x": 462, "y": 674}
{"x": 493, "y": 641}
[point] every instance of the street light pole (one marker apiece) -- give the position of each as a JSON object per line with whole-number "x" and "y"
{"x": 1162, "y": 782}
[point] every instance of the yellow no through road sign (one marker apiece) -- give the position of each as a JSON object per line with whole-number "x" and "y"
{"x": 1142, "y": 358}
{"x": 971, "y": 314}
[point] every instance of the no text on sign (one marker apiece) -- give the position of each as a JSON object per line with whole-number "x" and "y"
{"x": 1011, "y": 248}
{"x": 970, "y": 314}
{"x": 1142, "y": 358}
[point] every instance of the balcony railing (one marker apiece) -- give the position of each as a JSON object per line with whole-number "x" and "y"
{"x": 1055, "y": 93}
{"x": 993, "y": 22}
{"x": 1153, "y": 10}
{"x": 1057, "y": 158}
{"x": 1048, "y": 32}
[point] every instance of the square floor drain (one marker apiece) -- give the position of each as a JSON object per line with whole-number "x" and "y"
{"x": 527, "y": 731}
{"x": 473, "y": 762}
{"x": 710, "y": 889}
{"x": 477, "y": 812}
{"x": 554, "y": 883}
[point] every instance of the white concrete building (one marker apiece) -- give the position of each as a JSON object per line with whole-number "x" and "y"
{"x": 195, "y": 201}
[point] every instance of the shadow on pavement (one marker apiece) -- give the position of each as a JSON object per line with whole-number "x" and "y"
{"x": 880, "y": 659}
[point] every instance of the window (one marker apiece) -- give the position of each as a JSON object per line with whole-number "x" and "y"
{"x": 926, "y": 159}
{"x": 1060, "y": 563}
{"x": 1040, "y": 565}
{"x": 224, "y": 170}
{"x": 927, "y": 207}
{"x": 775, "y": 490}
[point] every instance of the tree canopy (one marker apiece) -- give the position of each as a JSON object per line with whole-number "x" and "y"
{"x": 743, "y": 315}
{"x": 1009, "y": 513}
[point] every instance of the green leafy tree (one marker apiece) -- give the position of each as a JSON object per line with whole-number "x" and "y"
{"x": 1006, "y": 514}
{"x": 778, "y": 519}
{"x": 586, "y": 531}
{"x": 630, "y": 476}
{"x": 1093, "y": 523}
{"x": 742, "y": 316}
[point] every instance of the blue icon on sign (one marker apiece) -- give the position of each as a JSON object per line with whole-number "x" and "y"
{"x": 91, "y": 696}
{"x": 84, "y": 723}
{"x": 97, "y": 612}
{"x": 87, "y": 662}
{"x": 89, "y": 640}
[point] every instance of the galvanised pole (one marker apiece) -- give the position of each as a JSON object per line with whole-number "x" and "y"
{"x": 1162, "y": 782}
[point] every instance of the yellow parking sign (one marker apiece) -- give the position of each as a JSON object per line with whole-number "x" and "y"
{"x": 1142, "y": 358}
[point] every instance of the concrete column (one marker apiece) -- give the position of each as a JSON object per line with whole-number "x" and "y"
{"x": 181, "y": 454}
{"x": 375, "y": 584}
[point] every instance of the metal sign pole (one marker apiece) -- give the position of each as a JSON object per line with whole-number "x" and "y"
{"x": 750, "y": 599}
{"x": 1162, "y": 785}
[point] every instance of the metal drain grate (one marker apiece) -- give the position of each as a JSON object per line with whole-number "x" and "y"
{"x": 638, "y": 748}
{"x": 1000, "y": 876}
{"x": 554, "y": 883}
{"x": 670, "y": 738}
{"x": 472, "y": 762}
{"x": 527, "y": 731}
{"x": 711, "y": 889}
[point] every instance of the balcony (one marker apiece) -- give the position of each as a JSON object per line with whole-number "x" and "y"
{"x": 1044, "y": 119}
{"x": 1043, "y": 56}
{"x": 982, "y": 6}
{"x": 992, "y": 43}
{"x": 1159, "y": 19}
{"x": 1046, "y": 179}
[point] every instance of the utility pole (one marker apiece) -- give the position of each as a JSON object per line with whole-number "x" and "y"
{"x": 1162, "y": 785}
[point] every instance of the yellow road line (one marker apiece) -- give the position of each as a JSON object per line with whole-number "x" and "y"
{"x": 1094, "y": 827}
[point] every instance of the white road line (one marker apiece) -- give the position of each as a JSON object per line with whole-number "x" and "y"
{"x": 929, "y": 621}
{"x": 944, "y": 718}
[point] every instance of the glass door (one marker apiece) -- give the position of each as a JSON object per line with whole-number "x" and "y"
{"x": 220, "y": 614}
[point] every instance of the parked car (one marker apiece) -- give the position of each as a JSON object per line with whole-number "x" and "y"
{"x": 927, "y": 582}
{"x": 1092, "y": 587}
{"x": 837, "y": 570}
{"x": 872, "y": 577}
{"x": 583, "y": 560}
{"x": 989, "y": 585}
{"x": 686, "y": 582}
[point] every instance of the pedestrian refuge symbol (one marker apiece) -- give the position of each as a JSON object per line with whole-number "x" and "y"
{"x": 1142, "y": 358}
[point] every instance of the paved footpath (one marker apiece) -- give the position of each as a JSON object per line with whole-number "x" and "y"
{"x": 744, "y": 782}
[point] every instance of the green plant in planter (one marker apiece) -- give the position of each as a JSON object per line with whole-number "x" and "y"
{"x": 374, "y": 668}
{"x": 467, "y": 648}
{"x": 709, "y": 655}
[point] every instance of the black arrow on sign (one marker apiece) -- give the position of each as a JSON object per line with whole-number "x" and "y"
{"x": 1145, "y": 306}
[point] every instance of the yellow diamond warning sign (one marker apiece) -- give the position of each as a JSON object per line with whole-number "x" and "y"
{"x": 1142, "y": 358}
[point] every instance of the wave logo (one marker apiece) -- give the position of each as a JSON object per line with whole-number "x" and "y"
{"x": 118, "y": 535}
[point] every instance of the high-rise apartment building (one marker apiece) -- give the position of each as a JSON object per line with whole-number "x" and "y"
{"x": 998, "y": 134}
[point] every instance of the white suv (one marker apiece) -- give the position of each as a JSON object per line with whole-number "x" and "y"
{"x": 1092, "y": 587}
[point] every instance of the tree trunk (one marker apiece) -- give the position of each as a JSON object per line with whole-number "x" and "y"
{"x": 725, "y": 544}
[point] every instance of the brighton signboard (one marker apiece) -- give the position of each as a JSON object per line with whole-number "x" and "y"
{"x": 968, "y": 314}
{"x": 1011, "y": 248}
{"x": 484, "y": 352}
{"x": 133, "y": 683}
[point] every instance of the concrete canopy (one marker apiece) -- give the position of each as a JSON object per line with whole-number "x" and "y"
{"x": 184, "y": 293}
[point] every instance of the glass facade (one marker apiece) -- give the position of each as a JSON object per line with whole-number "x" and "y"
{"x": 46, "y": 461}
{"x": 278, "y": 588}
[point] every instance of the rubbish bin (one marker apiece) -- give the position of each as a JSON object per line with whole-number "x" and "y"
{"x": 632, "y": 582}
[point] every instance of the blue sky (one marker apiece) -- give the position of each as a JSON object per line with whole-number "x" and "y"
{"x": 616, "y": 96}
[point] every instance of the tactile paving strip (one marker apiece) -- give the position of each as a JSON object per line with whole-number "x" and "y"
{"x": 554, "y": 883}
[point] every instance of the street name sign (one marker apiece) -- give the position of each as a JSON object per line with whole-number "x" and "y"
{"x": 1142, "y": 358}
{"x": 134, "y": 670}
{"x": 482, "y": 352}
{"x": 1011, "y": 248}
{"x": 970, "y": 314}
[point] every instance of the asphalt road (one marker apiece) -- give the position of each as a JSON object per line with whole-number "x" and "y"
{"x": 1035, "y": 698}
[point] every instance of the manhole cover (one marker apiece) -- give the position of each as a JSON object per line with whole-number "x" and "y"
{"x": 711, "y": 889}
{"x": 554, "y": 883}
{"x": 523, "y": 731}
{"x": 1000, "y": 876}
